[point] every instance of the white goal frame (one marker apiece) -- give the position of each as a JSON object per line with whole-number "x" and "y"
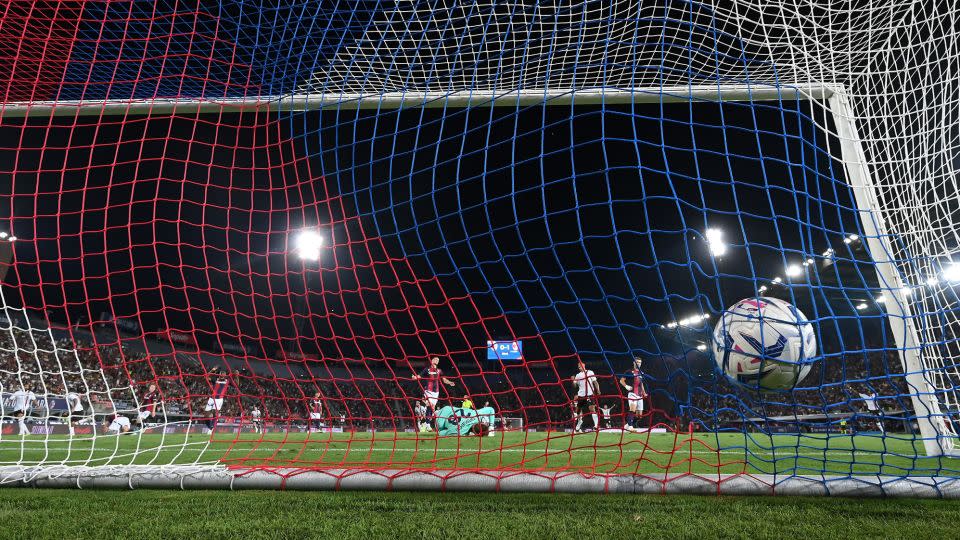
{"x": 937, "y": 438}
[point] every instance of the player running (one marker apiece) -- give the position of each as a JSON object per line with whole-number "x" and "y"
{"x": 148, "y": 405}
{"x": 256, "y": 418}
{"x": 635, "y": 396}
{"x": 74, "y": 412}
{"x": 315, "y": 410}
{"x": 587, "y": 390}
{"x": 22, "y": 402}
{"x": 215, "y": 402}
{"x": 463, "y": 422}
{"x": 434, "y": 376}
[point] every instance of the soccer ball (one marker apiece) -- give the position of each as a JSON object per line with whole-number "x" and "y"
{"x": 765, "y": 344}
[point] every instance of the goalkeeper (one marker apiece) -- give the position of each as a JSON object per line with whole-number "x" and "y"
{"x": 460, "y": 421}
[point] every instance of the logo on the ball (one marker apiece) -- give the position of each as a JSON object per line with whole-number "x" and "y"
{"x": 773, "y": 351}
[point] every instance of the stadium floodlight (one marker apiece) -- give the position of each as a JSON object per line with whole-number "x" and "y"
{"x": 307, "y": 245}
{"x": 810, "y": 260}
{"x": 907, "y": 291}
{"x": 701, "y": 347}
{"x": 3, "y": 235}
{"x": 793, "y": 270}
{"x": 12, "y": 238}
{"x": 847, "y": 240}
{"x": 861, "y": 306}
{"x": 672, "y": 324}
{"x": 952, "y": 273}
{"x": 715, "y": 242}
{"x": 931, "y": 281}
{"x": 881, "y": 299}
{"x": 762, "y": 288}
{"x": 828, "y": 253}
{"x": 778, "y": 280}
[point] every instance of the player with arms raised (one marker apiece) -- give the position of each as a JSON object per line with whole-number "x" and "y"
{"x": 635, "y": 395}
{"x": 148, "y": 405}
{"x": 585, "y": 381}
{"x": 221, "y": 383}
{"x": 431, "y": 392}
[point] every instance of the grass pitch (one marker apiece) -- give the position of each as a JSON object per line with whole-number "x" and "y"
{"x": 143, "y": 514}
{"x": 645, "y": 453}
{"x": 251, "y": 515}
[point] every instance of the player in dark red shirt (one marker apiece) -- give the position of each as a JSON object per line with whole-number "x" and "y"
{"x": 433, "y": 376}
{"x": 220, "y": 383}
{"x": 148, "y": 405}
{"x": 315, "y": 411}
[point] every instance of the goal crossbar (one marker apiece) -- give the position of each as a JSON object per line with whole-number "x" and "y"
{"x": 851, "y": 154}
{"x": 417, "y": 99}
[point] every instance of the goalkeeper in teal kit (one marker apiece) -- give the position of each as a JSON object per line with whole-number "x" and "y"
{"x": 460, "y": 421}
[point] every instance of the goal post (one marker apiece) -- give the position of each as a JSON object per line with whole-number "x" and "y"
{"x": 936, "y": 437}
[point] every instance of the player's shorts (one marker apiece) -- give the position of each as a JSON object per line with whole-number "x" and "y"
{"x": 118, "y": 424}
{"x": 144, "y": 415}
{"x": 76, "y": 415}
{"x": 584, "y": 403}
{"x": 635, "y": 401}
{"x": 19, "y": 412}
{"x": 213, "y": 404}
{"x": 432, "y": 398}
{"x": 316, "y": 416}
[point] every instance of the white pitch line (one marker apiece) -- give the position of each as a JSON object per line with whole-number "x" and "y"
{"x": 782, "y": 454}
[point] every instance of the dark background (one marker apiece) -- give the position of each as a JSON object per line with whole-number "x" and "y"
{"x": 584, "y": 229}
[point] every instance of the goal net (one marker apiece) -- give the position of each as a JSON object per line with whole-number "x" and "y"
{"x": 477, "y": 245}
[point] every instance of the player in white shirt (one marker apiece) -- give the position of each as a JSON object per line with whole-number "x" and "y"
{"x": 75, "y": 411}
{"x": 21, "y": 402}
{"x": 870, "y": 400}
{"x": 120, "y": 424}
{"x": 605, "y": 413}
{"x": 256, "y": 418}
{"x": 588, "y": 389}
{"x": 420, "y": 412}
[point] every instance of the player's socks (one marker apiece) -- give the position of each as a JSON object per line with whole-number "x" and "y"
{"x": 579, "y": 424}
{"x": 596, "y": 421}
{"x": 70, "y": 428}
{"x": 629, "y": 419}
{"x": 23, "y": 427}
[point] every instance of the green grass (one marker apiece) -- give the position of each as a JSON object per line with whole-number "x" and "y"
{"x": 35, "y": 514}
{"x": 606, "y": 452}
{"x": 211, "y": 515}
